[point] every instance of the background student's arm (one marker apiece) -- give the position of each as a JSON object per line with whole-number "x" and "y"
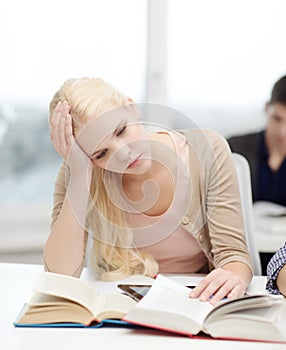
{"x": 276, "y": 272}
{"x": 281, "y": 280}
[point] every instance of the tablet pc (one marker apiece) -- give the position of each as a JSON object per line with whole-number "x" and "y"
{"x": 137, "y": 291}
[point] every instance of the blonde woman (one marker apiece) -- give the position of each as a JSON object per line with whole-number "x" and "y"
{"x": 164, "y": 201}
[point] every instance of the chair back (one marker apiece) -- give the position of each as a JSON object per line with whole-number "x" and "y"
{"x": 244, "y": 182}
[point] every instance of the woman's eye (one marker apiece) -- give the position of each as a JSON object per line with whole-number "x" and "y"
{"x": 121, "y": 130}
{"x": 101, "y": 154}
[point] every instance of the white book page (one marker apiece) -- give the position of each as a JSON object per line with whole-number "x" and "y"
{"x": 67, "y": 287}
{"x": 170, "y": 296}
{"x": 266, "y": 323}
{"x": 115, "y": 303}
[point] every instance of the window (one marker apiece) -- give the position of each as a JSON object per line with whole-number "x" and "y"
{"x": 223, "y": 58}
{"x": 43, "y": 44}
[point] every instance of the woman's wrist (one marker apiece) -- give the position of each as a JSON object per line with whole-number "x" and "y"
{"x": 241, "y": 270}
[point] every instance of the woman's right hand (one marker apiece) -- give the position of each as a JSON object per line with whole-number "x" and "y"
{"x": 64, "y": 141}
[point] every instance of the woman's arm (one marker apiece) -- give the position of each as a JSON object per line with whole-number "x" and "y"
{"x": 65, "y": 246}
{"x": 230, "y": 256}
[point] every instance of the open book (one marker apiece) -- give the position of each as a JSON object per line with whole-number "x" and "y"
{"x": 60, "y": 299}
{"x": 167, "y": 306}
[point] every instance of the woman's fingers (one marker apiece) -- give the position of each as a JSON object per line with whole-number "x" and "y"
{"x": 64, "y": 126}
{"x": 217, "y": 285}
{"x": 54, "y": 123}
{"x": 63, "y": 140}
{"x": 61, "y": 129}
{"x": 230, "y": 289}
{"x": 208, "y": 286}
{"x": 236, "y": 292}
{"x": 69, "y": 138}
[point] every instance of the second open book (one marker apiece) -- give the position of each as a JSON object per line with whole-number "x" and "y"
{"x": 167, "y": 306}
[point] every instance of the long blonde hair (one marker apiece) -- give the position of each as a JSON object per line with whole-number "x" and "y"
{"x": 113, "y": 254}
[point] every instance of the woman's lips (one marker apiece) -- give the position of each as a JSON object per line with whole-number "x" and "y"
{"x": 134, "y": 163}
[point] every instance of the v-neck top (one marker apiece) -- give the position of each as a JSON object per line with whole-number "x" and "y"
{"x": 164, "y": 236}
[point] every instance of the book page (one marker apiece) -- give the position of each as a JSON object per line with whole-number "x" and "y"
{"x": 265, "y": 323}
{"x": 44, "y": 308}
{"x": 112, "y": 306}
{"x": 169, "y": 296}
{"x": 67, "y": 287}
{"x": 245, "y": 303}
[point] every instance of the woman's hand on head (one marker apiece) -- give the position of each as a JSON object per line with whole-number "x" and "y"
{"x": 61, "y": 130}
{"x": 64, "y": 141}
{"x": 219, "y": 284}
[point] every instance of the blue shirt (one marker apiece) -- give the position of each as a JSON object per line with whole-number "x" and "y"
{"x": 271, "y": 185}
{"x": 273, "y": 268}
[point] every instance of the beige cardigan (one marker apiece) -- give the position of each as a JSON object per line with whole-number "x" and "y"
{"x": 214, "y": 216}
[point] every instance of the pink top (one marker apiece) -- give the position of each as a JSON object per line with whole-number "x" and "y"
{"x": 163, "y": 236}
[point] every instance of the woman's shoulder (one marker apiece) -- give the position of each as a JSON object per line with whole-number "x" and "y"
{"x": 204, "y": 138}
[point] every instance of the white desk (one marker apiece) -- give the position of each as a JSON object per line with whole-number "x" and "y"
{"x": 16, "y": 289}
{"x": 269, "y": 242}
{"x": 270, "y": 231}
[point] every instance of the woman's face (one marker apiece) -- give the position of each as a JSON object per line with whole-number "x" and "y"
{"x": 117, "y": 141}
{"x": 276, "y": 124}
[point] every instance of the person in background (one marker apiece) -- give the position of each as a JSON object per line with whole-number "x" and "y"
{"x": 276, "y": 272}
{"x": 265, "y": 150}
{"x": 152, "y": 202}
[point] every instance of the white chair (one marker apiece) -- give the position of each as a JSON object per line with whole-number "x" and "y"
{"x": 244, "y": 181}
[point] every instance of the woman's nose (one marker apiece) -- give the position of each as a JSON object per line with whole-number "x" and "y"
{"x": 122, "y": 152}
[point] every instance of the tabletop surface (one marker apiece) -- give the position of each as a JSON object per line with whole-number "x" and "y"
{"x": 17, "y": 281}
{"x": 269, "y": 226}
